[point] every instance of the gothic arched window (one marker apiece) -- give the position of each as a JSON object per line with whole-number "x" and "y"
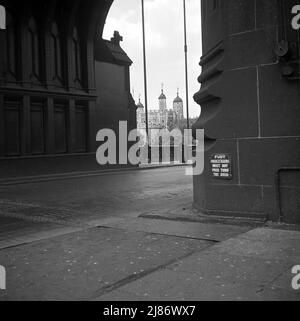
{"x": 12, "y": 48}
{"x": 2, "y": 17}
{"x": 56, "y": 53}
{"x": 34, "y": 46}
{"x": 77, "y": 56}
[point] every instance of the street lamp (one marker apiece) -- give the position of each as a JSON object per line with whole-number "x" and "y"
{"x": 145, "y": 67}
{"x": 186, "y": 66}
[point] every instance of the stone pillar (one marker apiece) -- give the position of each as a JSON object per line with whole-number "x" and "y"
{"x": 250, "y": 98}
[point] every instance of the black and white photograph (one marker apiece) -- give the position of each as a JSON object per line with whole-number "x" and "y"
{"x": 149, "y": 154}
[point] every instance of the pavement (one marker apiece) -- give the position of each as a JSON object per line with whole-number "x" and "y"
{"x": 113, "y": 237}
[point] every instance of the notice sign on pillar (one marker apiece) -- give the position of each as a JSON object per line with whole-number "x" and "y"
{"x": 221, "y": 166}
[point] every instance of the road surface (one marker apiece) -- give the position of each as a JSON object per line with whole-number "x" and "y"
{"x": 85, "y": 239}
{"x": 117, "y": 194}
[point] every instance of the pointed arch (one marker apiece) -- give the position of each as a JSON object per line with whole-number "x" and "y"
{"x": 34, "y": 47}
{"x": 76, "y": 47}
{"x": 12, "y": 44}
{"x": 57, "y": 57}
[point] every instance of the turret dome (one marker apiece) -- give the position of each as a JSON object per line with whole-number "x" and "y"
{"x": 178, "y": 99}
{"x": 162, "y": 95}
{"x": 139, "y": 104}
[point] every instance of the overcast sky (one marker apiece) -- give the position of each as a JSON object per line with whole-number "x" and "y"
{"x": 164, "y": 42}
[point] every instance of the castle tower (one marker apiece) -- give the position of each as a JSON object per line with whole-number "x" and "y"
{"x": 162, "y": 101}
{"x": 140, "y": 115}
{"x": 178, "y": 107}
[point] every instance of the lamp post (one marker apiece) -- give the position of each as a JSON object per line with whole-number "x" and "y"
{"x": 145, "y": 68}
{"x": 186, "y": 66}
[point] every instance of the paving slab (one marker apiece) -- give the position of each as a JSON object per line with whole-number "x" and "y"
{"x": 87, "y": 264}
{"x": 253, "y": 266}
{"x": 15, "y": 231}
{"x": 196, "y": 230}
{"x": 187, "y": 213}
{"x": 265, "y": 243}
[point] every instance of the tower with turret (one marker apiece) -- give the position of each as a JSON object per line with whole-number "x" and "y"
{"x": 140, "y": 115}
{"x": 178, "y": 107}
{"x": 162, "y": 101}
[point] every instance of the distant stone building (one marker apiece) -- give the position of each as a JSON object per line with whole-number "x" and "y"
{"x": 161, "y": 118}
{"x": 140, "y": 115}
{"x": 178, "y": 108}
{"x": 162, "y": 99}
{"x": 154, "y": 119}
{"x": 114, "y": 101}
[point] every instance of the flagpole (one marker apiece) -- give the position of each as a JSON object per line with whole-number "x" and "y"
{"x": 145, "y": 68}
{"x": 186, "y": 67}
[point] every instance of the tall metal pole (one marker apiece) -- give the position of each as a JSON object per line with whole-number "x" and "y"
{"x": 186, "y": 67}
{"x": 145, "y": 69}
